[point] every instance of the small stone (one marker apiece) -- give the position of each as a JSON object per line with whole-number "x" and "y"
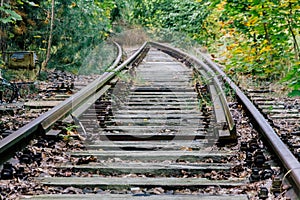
{"x": 135, "y": 190}
{"x": 161, "y": 190}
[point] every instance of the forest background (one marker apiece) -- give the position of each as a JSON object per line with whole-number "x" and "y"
{"x": 258, "y": 39}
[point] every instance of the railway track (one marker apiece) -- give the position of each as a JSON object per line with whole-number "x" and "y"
{"x": 31, "y": 99}
{"x": 158, "y": 126}
{"x": 282, "y": 113}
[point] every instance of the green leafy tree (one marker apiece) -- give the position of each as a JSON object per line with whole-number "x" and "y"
{"x": 266, "y": 45}
{"x": 8, "y": 16}
{"x": 258, "y": 38}
{"x": 78, "y": 26}
{"x": 265, "y": 36}
{"x": 175, "y": 16}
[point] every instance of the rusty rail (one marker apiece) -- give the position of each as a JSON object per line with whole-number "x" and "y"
{"x": 290, "y": 162}
{"x": 45, "y": 121}
{"x": 206, "y": 67}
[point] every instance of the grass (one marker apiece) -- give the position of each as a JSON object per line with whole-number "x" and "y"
{"x": 131, "y": 37}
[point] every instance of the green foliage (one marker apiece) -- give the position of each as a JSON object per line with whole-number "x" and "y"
{"x": 8, "y": 15}
{"x": 265, "y": 31}
{"x": 175, "y": 16}
{"x": 294, "y": 93}
{"x": 79, "y": 26}
{"x": 258, "y": 38}
{"x": 43, "y": 76}
{"x": 71, "y": 128}
{"x": 293, "y": 77}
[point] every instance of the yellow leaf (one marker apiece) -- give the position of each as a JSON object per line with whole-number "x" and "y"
{"x": 238, "y": 50}
{"x": 232, "y": 46}
{"x": 251, "y": 22}
{"x": 265, "y": 49}
{"x": 73, "y": 4}
{"x": 186, "y": 149}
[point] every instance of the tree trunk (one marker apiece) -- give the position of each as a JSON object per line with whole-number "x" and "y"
{"x": 2, "y": 33}
{"x": 290, "y": 24}
{"x": 45, "y": 62}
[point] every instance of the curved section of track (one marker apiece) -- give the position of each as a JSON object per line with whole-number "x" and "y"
{"x": 157, "y": 124}
{"x": 44, "y": 122}
{"x": 290, "y": 162}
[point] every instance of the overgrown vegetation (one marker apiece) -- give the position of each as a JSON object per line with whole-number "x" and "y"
{"x": 79, "y": 27}
{"x": 258, "y": 38}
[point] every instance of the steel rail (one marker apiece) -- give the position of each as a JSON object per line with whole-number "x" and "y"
{"x": 290, "y": 162}
{"x": 77, "y": 99}
{"x": 223, "y": 116}
{"x": 46, "y": 120}
{"x": 119, "y": 56}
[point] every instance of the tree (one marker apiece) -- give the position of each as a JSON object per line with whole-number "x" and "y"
{"x": 7, "y": 16}
{"x": 78, "y": 26}
{"x": 45, "y": 62}
{"x": 257, "y": 38}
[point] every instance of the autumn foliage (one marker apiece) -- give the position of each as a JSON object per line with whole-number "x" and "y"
{"x": 259, "y": 38}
